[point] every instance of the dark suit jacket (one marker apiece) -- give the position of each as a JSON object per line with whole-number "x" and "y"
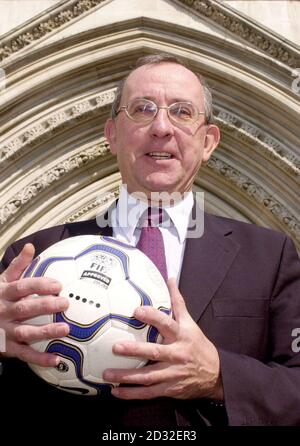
{"x": 241, "y": 284}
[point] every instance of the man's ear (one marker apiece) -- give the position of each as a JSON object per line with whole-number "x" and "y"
{"x": 212, "y": 140}
{"x": 111, "y": 135}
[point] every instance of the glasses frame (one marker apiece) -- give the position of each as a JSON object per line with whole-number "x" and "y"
{"x": 159, "y": 107}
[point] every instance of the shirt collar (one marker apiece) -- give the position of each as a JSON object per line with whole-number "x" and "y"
{"x": 179, "y": 213}
{"x": 129, "y": 210}
{"x": 127, "y": 213}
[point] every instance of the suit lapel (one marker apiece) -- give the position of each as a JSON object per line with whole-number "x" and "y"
{"x": 99, "y": 226}
{"x": 205, "y": 264}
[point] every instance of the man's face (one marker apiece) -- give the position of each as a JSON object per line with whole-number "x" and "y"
{"x": 137, "y": 145}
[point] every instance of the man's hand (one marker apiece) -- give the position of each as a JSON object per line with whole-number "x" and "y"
{"x": 16, "y": 306}
{"x": 186, "y": 365}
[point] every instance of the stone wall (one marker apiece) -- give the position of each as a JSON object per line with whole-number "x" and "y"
{"x": 61, "y": 70}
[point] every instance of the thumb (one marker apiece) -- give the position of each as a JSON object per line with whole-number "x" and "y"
{"x": 178, "y": 304}
{"x": 19, "y": 264}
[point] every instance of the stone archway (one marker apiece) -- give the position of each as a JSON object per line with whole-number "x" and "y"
{"x": 55, "y": 164}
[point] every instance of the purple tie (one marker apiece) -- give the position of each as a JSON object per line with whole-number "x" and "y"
{"x": 151, "y": 240}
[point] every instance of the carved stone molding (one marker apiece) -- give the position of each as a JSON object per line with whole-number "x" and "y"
{"x": 211, "y": 9}
{"x": 265, "y": 143}
{"x": 242, "y": 129}
{"x": 45, "y": 129}
{"x": 257, "y": 193}
{"x": 227, "y": 121}
{"x": 60, "y": 16}
{"x": 100, "y": 201}
{"x": 221, "y": 15}
{"x": 44, "y": 181}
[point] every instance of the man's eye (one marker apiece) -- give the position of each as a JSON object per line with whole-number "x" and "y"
{"x": 148, "y": 109}
{"x": 144, "y": 109}
{"x": 181, "y": 111}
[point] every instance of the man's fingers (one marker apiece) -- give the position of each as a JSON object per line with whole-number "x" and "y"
{"x": 178, "y": 304}
{"x": 29, "y": 333}
{"x": 31, "y": 307}
{"x": 144, "y": 376}
{"x": 148, "y": 350}
{"x": 19, "y": 264}
{"x": 28, "y": 354}
{"x": 139, "y": 393}
{"x": 166, "y": 326}
{"x": 25, "y": 287}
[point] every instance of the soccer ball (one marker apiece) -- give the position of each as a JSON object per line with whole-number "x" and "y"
{"x": 105, "y": 280}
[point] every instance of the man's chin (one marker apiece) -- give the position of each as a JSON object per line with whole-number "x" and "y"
{"x": 155, "y": 186}
{"x": 159, "y": 194}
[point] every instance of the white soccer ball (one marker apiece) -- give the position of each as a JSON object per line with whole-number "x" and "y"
{"x": 105, "y": 281}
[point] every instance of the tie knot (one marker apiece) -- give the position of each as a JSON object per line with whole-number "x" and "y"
{"x": 155, "y": 216}
{"x": 152, "y": 217}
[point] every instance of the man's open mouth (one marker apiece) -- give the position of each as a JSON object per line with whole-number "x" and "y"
{"x": 160, "y": 155}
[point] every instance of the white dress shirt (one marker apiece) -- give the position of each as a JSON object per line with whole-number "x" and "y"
{"x": 126, "y": 226}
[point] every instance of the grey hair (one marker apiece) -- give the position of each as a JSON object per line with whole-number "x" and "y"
{"x": 156, "y": 59}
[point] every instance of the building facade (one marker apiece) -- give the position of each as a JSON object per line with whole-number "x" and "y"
{"x": 60, "y": 62}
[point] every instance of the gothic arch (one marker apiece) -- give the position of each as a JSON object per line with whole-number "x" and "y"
{"x": 55, "y": 164}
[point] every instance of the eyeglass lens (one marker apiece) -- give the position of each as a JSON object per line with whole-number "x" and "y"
{"x": 143, "y": 110}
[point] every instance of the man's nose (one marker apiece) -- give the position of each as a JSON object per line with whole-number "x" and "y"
{"x": 161, "y": 125}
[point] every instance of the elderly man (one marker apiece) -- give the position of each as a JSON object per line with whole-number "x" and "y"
{"x": 227, "y": 355}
